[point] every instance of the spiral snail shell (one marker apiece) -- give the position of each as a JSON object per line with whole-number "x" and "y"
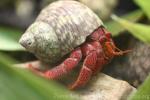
{"x": 59, "y": 28}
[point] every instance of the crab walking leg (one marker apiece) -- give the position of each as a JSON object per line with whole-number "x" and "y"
{"x": 86, "y": 70}
{"x": 63, "y": 68}
{"x": 99, "y": 65}
{"x": 101, "y": 58}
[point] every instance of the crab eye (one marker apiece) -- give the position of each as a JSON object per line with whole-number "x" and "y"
{"x": 103, "y": 39}
{"x": 108, "y": 35}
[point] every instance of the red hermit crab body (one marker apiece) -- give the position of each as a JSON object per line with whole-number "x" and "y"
{"x": 69, "y": 27}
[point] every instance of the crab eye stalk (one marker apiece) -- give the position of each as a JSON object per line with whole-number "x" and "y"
{"x": 103, "y": 39}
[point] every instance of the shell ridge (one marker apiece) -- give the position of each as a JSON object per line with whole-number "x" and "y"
{"x": 74, "y": 27}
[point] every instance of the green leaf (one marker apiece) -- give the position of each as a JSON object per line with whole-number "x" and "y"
{"x": 140, "y": 31}
{"x": 20, "y": 84}
{"x": 9, "y": 39}
{"x": 115, "y": 28}
{"x": 143, "y": 92}
{"x": 145, "y": 5}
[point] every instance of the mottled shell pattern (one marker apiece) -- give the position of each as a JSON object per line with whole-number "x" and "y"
{"x": 59, "y": 28}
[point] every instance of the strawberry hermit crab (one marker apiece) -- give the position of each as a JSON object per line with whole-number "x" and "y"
{"x": 69, "y": 27}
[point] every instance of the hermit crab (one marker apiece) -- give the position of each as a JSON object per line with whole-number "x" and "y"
{"x": 69, "y": 27}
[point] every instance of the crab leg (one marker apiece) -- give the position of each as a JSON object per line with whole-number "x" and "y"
{"x": 99, "y": 65}
{"x": 63, "y": 68}
{"x": 86, "y": 70}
